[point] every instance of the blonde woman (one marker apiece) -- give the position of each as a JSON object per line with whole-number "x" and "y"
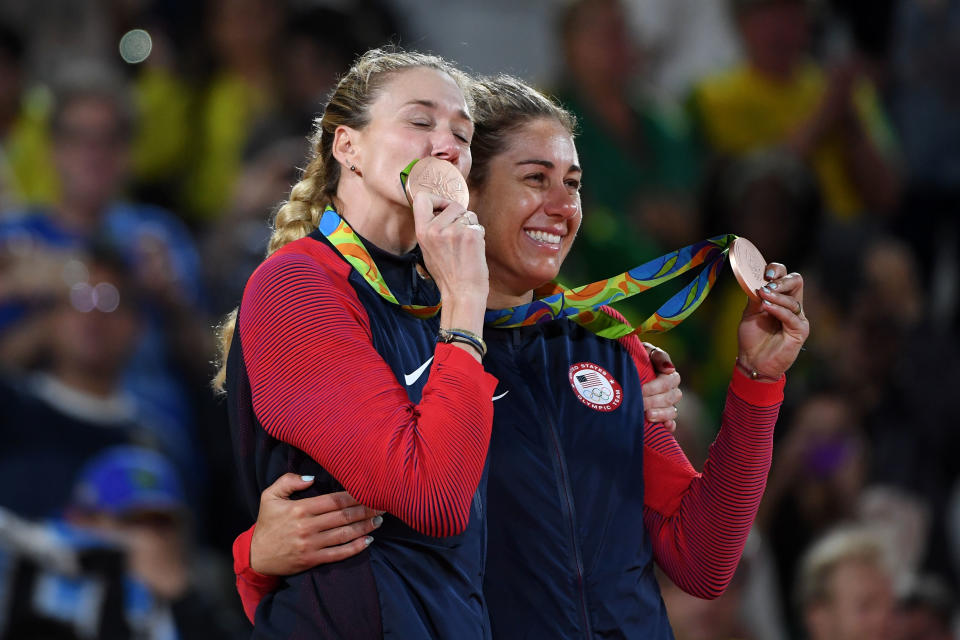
{"x": 320, "y": 347}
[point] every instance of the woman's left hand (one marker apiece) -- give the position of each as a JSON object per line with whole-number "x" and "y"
{"x": 661, "y": 395}
{"x": 772, "y": 331}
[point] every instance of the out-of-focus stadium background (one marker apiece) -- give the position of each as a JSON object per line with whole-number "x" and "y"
{"x": 144, "y": 145}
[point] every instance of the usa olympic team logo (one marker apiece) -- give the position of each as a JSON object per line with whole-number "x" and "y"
{"x": 595, "y": 387}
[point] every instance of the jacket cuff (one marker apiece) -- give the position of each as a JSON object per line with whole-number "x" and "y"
{"x": 241, "y": 563}
{"x": 451, "y": 356}
{"x": 756, "y": 392}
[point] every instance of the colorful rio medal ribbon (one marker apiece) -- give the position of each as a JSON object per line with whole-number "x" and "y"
{"x": 582, "y": 304}
{"x": 429, "y": 174}
{"x": 344, "y": 240}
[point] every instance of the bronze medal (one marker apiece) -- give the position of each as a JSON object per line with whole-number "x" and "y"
{"x": 748, "y": 266}
{"x": 438, "y": 177}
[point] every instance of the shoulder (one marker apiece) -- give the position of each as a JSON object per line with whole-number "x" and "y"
{"x": 300, "y": 269}
{"x": 311, "y": 251}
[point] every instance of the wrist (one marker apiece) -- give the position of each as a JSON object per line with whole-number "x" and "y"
{"x": 456, "y": 335}
{"x": 753, "y": 373}
{"x": 464, "y": 311}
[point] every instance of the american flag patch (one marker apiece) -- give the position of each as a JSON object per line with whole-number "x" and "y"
{"x": 589, "y": 379}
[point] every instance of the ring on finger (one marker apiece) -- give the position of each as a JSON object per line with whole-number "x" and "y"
{"x": 676, "y": 411}
{"x": 799, "y": 310}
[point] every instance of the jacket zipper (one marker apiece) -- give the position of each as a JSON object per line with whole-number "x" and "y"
{"x": 568, "y": 499}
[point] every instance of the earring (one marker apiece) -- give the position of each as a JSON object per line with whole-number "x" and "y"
{"x": 353, "y": 168}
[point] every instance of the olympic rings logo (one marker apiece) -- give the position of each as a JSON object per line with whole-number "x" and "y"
{"x": 598, "y": 393}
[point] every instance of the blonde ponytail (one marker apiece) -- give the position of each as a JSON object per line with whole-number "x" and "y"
{"x": 300, "y": 215}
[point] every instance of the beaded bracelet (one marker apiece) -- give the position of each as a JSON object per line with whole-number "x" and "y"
{"x": 465, "y": 337}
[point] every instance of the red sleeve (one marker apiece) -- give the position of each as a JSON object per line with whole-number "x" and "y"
{"x": 251, "y": 586}
{"x": 318, "y": 384}
{"x": 698, "y": 523}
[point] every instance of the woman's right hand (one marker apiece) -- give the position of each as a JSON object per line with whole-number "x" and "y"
{"x": 294, "y": 535}
{"x": 453, "y": 252}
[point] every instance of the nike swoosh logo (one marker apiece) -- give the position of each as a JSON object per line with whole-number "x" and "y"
{"x": 410, "y": 378}
{"x": 495, "y": 398}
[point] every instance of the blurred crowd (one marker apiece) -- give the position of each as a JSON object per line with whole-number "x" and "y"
{"x": 145, "y": 144}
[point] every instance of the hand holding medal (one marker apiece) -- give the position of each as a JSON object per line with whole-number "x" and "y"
{"x": 450, "y": 238}
{"x": 437, "y": 177}
{"x": 774, "y": 327}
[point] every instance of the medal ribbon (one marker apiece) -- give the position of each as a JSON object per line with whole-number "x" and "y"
{"x": 582, "y": 304}
{"x": 344, "y": 240}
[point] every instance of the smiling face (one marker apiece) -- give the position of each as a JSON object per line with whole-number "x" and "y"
{"x": 420, "y": 112}
{"x": 529, "y": 204}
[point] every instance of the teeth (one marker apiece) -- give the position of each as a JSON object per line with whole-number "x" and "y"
{"x": 543, "y": 236}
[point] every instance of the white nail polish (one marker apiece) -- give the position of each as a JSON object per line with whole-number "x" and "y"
{"x": 368, "y": 540}
{"x": 306, "y": 478}
{"x": 377, "y": 521}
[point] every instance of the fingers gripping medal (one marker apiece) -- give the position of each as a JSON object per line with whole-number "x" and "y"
{"x": 435, "y": 176}
{"x": 748, "y": 266}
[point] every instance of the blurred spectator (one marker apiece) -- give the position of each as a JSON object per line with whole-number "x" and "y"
{"x": 164, "y": 94}
{"x": 902, "y": 520}
{"x": 925, "y": 101}
{"x": 117, "y": 566}
{"x": 925, "y": 611}
{"x": 91, "y": 126}
{"x": 134, "y": 497}
{"x": 58, "y": 417}
{"x": 24, "y": 152}
{"x": 642, "y": 166}
{"x": 310, "y": 68}
{"x": 819, "y": 469}
{"x": 698, "y": 619}
{"x": 495, "y": 36}
{"x": 236, "y": 243}
{"x": 246, "y": 36}
{"x": 682, "y": 40}
{"x": 902, "y": 374}
{"x": 61, "y": 583}
{"x": 830, "y": 118}
{"x": 747, "y": 610}
{"x": 844, "y": 587}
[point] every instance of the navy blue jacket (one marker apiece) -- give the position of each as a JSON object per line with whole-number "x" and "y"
{"x": 568, "y": 555}
{"x": 406, "y": 585}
